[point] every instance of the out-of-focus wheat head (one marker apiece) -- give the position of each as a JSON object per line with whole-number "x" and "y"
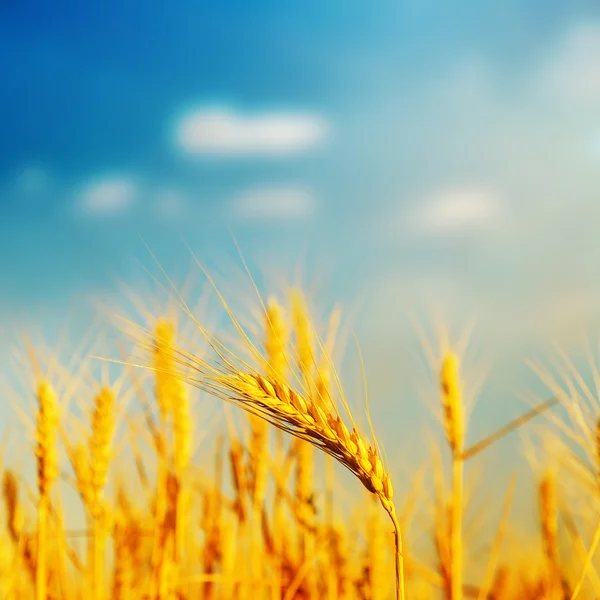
{"x": 14, "y": 510}
{"x": 46, "y": 434}
{"x": 572, "y": 440}
{"x": 174, "y": 410}
{"x": 101, "y": 440}
{"x": 452, "y": 402}
{"x": 171, "y": 394}
{"x": 455, "y": 434}
{"x": 304, "y": 351}
{"x": 47, "y": 471}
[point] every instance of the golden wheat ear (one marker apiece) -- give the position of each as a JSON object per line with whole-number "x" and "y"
{"x": 291, "y": 412}
{"x": 274, "y": 401}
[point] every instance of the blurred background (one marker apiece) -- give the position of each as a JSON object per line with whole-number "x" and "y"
{"x": 407, "y": 158}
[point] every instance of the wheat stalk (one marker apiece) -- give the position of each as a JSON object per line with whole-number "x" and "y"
{"x": 304, "y": 452}
{"x": 548, "y": 503}
{"x": 276, "y": 341}
{"x": 47, "y": 471}
{"x": 454, "y": 425}
{"x": 175, "y": 396}
{"x": 173, "y": 404}
{"x": 100, "y": 448}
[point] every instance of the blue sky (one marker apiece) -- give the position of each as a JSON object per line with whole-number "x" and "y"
{"x": 415, "y": 153}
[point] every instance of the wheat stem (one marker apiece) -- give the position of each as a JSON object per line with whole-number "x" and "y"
{"x": 454, "y": 424}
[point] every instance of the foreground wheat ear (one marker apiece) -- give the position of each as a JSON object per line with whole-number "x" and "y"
{"x": 303, "y": 413}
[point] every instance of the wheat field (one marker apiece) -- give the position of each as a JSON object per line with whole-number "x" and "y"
{"x": 138, "y": 494}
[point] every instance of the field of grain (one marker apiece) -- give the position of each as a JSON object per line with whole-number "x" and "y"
{"x": 139, "y": 495}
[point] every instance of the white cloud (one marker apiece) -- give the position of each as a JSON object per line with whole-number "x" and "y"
{"x": 573, "y": 72}
{"x": 275, "y": 203}
{"x": 108, "y": 196}
{"x": 457, "y": 211}
{"x": 224, "y": 132}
